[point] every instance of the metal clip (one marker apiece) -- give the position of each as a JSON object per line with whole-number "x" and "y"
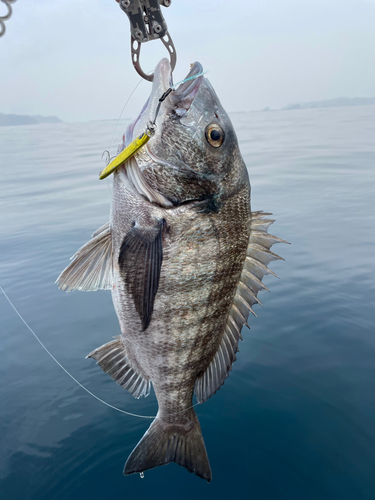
{"x": 6, "y": 17}
{"x": 147, "y": 23}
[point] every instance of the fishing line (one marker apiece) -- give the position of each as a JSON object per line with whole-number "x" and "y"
{"x": 188, "y": 79}
{"x": 163, "y": 97}
{"x": 123, "y": 109}
{"x": 108, "y": 159}
{"x": 140, "y": 141}
{"x": 61, "y": 366}
{"x": 172, "y": 88}
{"x": 114, "y": 132}
{"x": 70, "y": 375}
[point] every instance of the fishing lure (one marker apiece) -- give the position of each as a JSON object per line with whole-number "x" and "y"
{"x": 143, "y": 138}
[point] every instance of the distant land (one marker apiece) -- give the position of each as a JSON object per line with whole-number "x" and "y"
{"x": 331, "y": 103}
{"x": 6, "y": 120}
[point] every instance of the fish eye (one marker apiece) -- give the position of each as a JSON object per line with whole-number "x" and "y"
{"x": 215, "y": 135}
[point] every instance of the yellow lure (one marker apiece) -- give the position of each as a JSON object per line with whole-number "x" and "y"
{"x": 127, "y": 153}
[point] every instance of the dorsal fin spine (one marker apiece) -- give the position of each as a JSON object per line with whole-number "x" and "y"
{"x": 267, "y": 237}
{"x": 249, "y": 290}
{"x": 246, "y": 304}
{"x": 242, "y": 317}
{"x": 258, "y": 256}
{"x": 260, "y": 266}
{"x": 235, "y": 325}
{"x": 262, "y": 250}
{"x": 256, "y": 280}
{"x": 229, "y": 333}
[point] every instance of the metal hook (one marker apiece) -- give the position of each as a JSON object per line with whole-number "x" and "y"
{"x": 147, "y": 23}
{"x": 6, "y": 17}
{"x": 108, "y": 156}
{"x": 136, "y": 50}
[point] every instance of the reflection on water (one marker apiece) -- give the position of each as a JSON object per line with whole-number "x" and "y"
{"x": 295, "y": 419}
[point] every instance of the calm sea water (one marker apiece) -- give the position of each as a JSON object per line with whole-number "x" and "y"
{"x": 295, "y": 419}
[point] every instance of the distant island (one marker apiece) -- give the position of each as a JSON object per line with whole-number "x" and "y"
{"x": 6, "y": 120}
{"x": 332, "y": 103}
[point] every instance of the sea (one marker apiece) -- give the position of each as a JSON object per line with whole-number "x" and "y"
{"x": 295, "y": 420}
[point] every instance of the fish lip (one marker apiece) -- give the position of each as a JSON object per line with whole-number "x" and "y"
{"x": 179, "y": 100}
{"x": 163, "y": 74}
{"x": 183, "y": 97}
{"x": 161, "y": 82}
{"x": 185, "y": 88}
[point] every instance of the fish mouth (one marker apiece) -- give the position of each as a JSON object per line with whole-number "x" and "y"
{"x": 161, "y": 83}
{"x": 183, "y": 97}
{"x": 180, "y": 99}
{"x": 179, "y": 102}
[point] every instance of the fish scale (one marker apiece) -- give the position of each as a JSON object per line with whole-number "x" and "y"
{"x": 214, "y": 304}
{"x": 184, "y": 257}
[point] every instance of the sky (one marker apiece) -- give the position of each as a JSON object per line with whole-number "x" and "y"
{"x": 71, "y": 58}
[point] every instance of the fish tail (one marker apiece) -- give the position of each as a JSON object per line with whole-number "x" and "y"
{"x": 171, "y": 442}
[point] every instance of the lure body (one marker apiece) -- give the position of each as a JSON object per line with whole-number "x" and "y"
{"x": 125, "y": 155}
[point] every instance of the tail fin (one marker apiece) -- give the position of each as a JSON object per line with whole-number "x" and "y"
{"x": 164, "y": 443}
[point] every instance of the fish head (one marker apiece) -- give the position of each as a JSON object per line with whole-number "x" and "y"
{"x": 194, "y": 151}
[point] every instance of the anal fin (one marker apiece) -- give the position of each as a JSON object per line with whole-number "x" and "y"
{"x": 112, "y": 359}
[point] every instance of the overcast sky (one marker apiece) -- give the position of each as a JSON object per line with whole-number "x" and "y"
{"x": 71, "y": 58}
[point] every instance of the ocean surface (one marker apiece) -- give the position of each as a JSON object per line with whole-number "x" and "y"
{"x": 296, "y": 418}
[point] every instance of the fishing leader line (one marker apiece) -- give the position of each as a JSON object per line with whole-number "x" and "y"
{"x": 163, "y": 97}
{"x": 173, "y": 87}
{"x": 71, "y": 376}
{"x": 108, "y": 151}
{"x": 123, "y": 109}
{"x": 140, "y": 141}
{"x": 61, "y": 366}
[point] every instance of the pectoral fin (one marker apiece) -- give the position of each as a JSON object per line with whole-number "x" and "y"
{"x": 140, "y": 260}
{"x": 92, "y": 265}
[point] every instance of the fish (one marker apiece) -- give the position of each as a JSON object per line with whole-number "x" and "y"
{"x": 184, "y": 256}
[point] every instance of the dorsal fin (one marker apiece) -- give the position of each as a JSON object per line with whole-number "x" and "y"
{"x": 255, "y": 267}
{"x": 91, "y": 268}
{"x": 112, "y": 359}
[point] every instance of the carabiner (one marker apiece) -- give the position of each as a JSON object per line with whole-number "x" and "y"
{"x": 6, "y": 17}
{"x": 147, "y": 23}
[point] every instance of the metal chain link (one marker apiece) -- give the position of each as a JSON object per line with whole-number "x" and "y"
{"x": 6, "y": 17}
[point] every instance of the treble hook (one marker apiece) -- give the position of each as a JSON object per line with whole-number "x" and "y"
{"x": 6, "y": 17}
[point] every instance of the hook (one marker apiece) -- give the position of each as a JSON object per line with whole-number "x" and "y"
{"x": 136, "y": 51}
{"x": 6, "y": 17}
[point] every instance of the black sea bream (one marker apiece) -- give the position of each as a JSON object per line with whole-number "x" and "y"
{"x": 184, "y": 257}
